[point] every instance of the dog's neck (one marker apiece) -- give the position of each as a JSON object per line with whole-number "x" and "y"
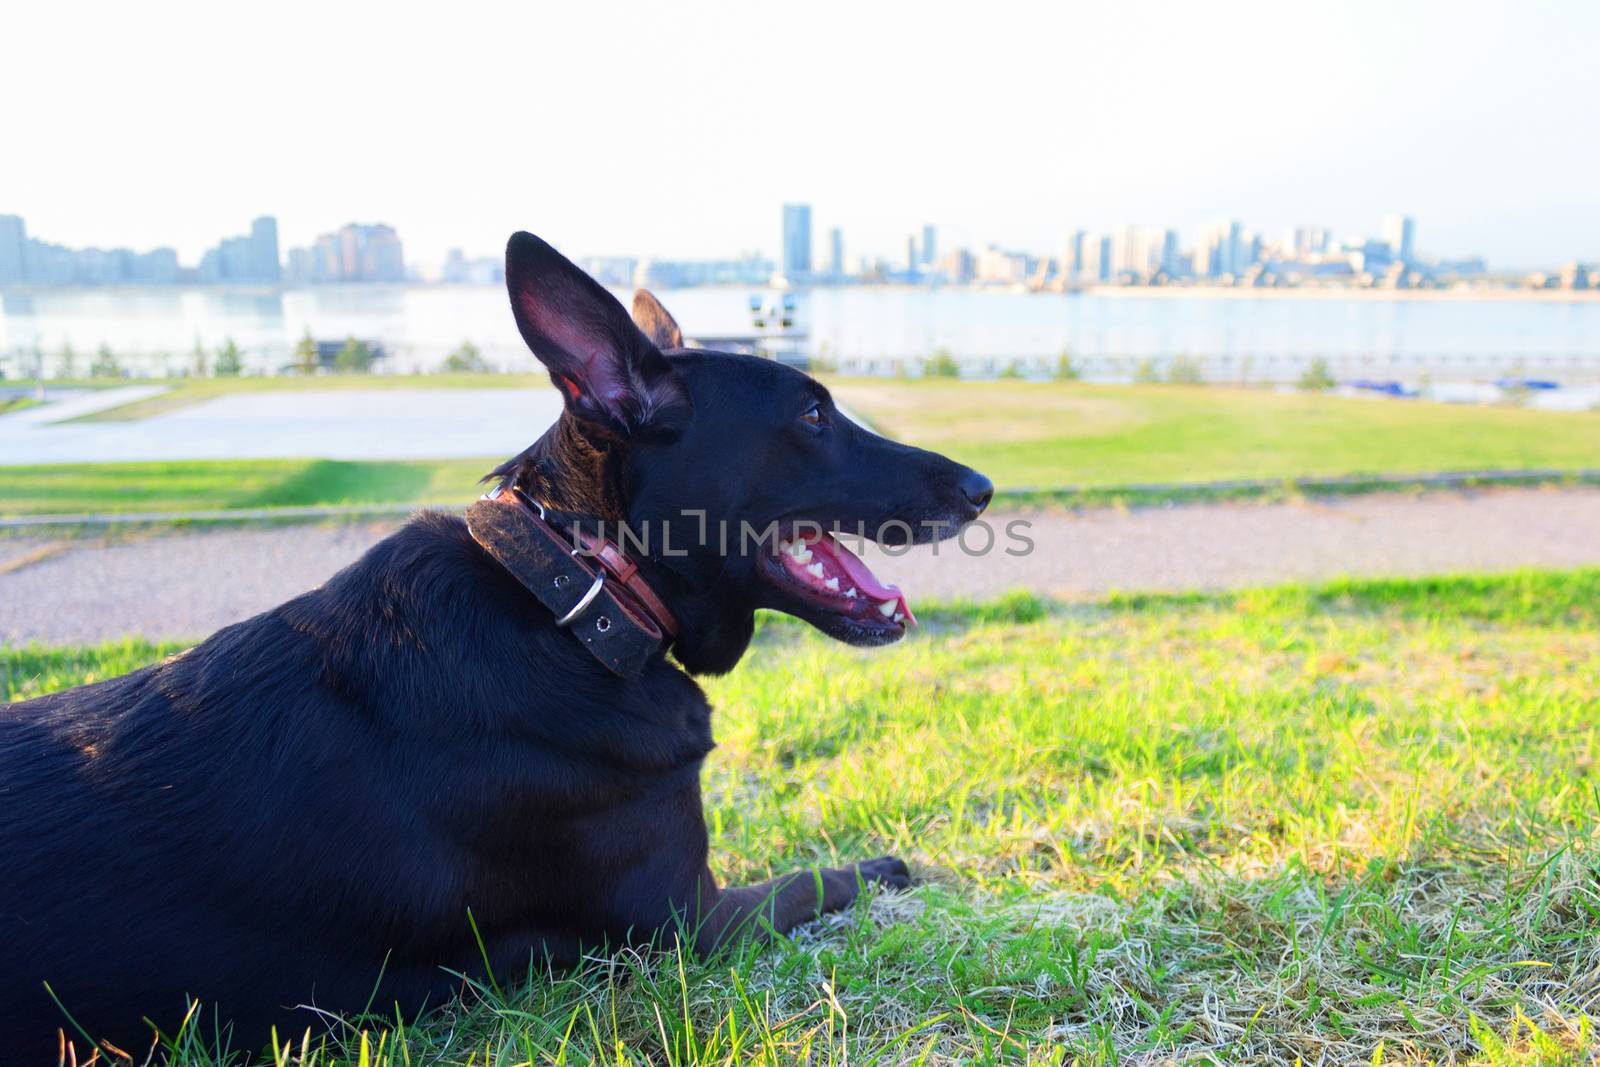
{"x": 579, "y": 468}
{"x": 576, "y": 467}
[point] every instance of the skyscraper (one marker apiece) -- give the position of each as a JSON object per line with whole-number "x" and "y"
{"x": 1072, "y": 262}
{"x": 836, "y": 252}
{"x": 796, "y": 263}
{"x": 930, "y": 245}
{"x": 13, "y": 240}
{"x": 264, "y": 265}
{"x": 1400, "y": 231}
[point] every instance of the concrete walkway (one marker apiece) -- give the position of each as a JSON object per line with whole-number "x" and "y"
{"x": 184, "y": 585}
{"x": 354, "y": 424}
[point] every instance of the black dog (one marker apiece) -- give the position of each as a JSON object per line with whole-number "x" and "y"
{"x": 318, "y": 795}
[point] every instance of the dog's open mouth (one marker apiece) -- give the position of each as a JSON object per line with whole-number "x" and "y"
{"x": 831, "y": 581}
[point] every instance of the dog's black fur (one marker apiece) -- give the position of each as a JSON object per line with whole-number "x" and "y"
{"x": 318, "y": 795}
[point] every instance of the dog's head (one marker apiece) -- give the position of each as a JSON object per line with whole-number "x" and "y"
{"x": 734, "y": 470}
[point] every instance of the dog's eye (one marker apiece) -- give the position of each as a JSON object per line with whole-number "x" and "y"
{"x": 813, "y": 416}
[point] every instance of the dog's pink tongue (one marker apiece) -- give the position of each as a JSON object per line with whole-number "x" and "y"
{"x": 861, "y": 576}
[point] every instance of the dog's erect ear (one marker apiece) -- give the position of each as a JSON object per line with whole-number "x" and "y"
{"x": 606, "y": 369}
{"x": 655, "y": 321}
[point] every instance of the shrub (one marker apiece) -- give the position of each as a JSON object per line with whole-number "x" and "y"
{"x": 230, "y": 360}
{"x": 354, "y": 358}
{"x": 105, "y": 364}
{"x": 1316, "y": 378}
{"x": 1066, "y": 370}
{"x": 1185, "y": 370}
{"x": 466, "y": 359}
{"x": 942, "y": 365}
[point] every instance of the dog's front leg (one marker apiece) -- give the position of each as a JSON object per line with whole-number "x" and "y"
{"x": 781, "y": 904}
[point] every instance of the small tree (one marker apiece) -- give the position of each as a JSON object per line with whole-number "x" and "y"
{"x": 1012, "y": 369}
{"x": 67, "y": 361}
{"x": 1147, "y": 372}
{"x": 466, "y": 359}
{"x": 1066, "y": 370}
{"x": 105, "y": 364}
{"x": 1186, "y": 370}
{"x": 354, "y": 358}
{"x": 1317, "y": 378}
{"x": 200, "y": 363}
{"x": 230, "y": 361}
{"x": 942, "y": 365}
{"x": 307, "y": 360}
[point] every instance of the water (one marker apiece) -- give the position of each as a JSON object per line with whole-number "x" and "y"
{"x": 870, "y": 330}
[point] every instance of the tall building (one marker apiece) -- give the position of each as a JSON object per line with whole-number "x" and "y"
{"x": 357, "y": 253}
{"x": 836, "y": 253}
{"x": 264, "y": 250}
{"x": 1072, "y": 261}
{"x": 1400, "y": 231}
{"x": 249, "y": 258}
{"x": 13, "y": 246}
{"x": 796, "y": 241}
{"x": 930, "y": 245}
{"x": 912, "y": 259}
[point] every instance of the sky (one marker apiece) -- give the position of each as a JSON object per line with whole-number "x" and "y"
{"x": 678, "y": 129}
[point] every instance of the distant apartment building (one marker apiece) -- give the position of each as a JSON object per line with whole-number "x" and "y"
{"x": 836, "y": 253}
{"x": 997, "y": 266}
{"x": 357, "y": 253}
{"x": 24, "y": 259}
{"x": 13, "y": 247}
{"x": 457, "y": 269}
{"x": 250, "y": 258}
{"x": 1072, "y": 259}
{"x": 750, "y": 269}
{"x": 1222, "y": 249}
{"x": 614, "y": 271}
{"x": 1399, "y": 233}
{"x": 796, "y": 262}
{"x": 958, "y": 266}
{"x": 930, "y": 245}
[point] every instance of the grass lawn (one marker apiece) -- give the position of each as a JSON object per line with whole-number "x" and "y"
{"x": 1024, "y": 435}
{"x": 1043, "y": 435}
{"x": 185, "y": 392}
{"x": 218, "y": 484}
{"x": 1346, "y": 823}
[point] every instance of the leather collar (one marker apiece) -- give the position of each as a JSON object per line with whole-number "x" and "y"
{"x": 588, "y": 582}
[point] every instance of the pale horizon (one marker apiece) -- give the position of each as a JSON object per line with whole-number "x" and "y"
{"x": 659, "y": 132}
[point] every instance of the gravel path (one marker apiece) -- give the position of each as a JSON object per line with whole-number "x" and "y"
{"x": 184, "y": 585}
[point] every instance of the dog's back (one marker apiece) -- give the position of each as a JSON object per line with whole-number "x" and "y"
{"x": 306, "y": 801}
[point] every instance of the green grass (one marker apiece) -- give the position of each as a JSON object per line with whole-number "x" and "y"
{"x": 1351, "y": 822}
{"x": 1042, "y": 435}
{"x": 184, "y": 392}
{"x": 220, "y": 484}
{"x": 1029, "y": 437}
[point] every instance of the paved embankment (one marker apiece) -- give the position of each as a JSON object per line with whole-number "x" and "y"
{"x": 185, "y": 584}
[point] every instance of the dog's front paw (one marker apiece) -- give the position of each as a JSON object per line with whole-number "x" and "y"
{"x": 887, "y": 871}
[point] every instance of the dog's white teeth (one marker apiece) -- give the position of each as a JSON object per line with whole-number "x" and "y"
{"x": 887, "y": 608}
{"x": 832, "y": 583}
{"x": 851, "y": 592}
{"x": 899, "y": 616}
{"x": 798, "y": 550}
{"x": 815, "y": 570}
{"x": 804, "y": 555}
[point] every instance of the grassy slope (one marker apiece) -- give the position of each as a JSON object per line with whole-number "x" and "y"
{"x": 1280, "y": 823}
{"x": 1047, "y": 434}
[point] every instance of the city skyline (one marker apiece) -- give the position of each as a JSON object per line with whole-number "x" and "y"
{"x": 1039, "y": 120}
{"x": 1225, "y": 251}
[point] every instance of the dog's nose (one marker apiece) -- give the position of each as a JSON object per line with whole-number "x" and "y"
{"x": 977, "y": 489}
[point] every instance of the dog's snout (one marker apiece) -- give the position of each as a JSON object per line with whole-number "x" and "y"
{"x": 977, "y": 489}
